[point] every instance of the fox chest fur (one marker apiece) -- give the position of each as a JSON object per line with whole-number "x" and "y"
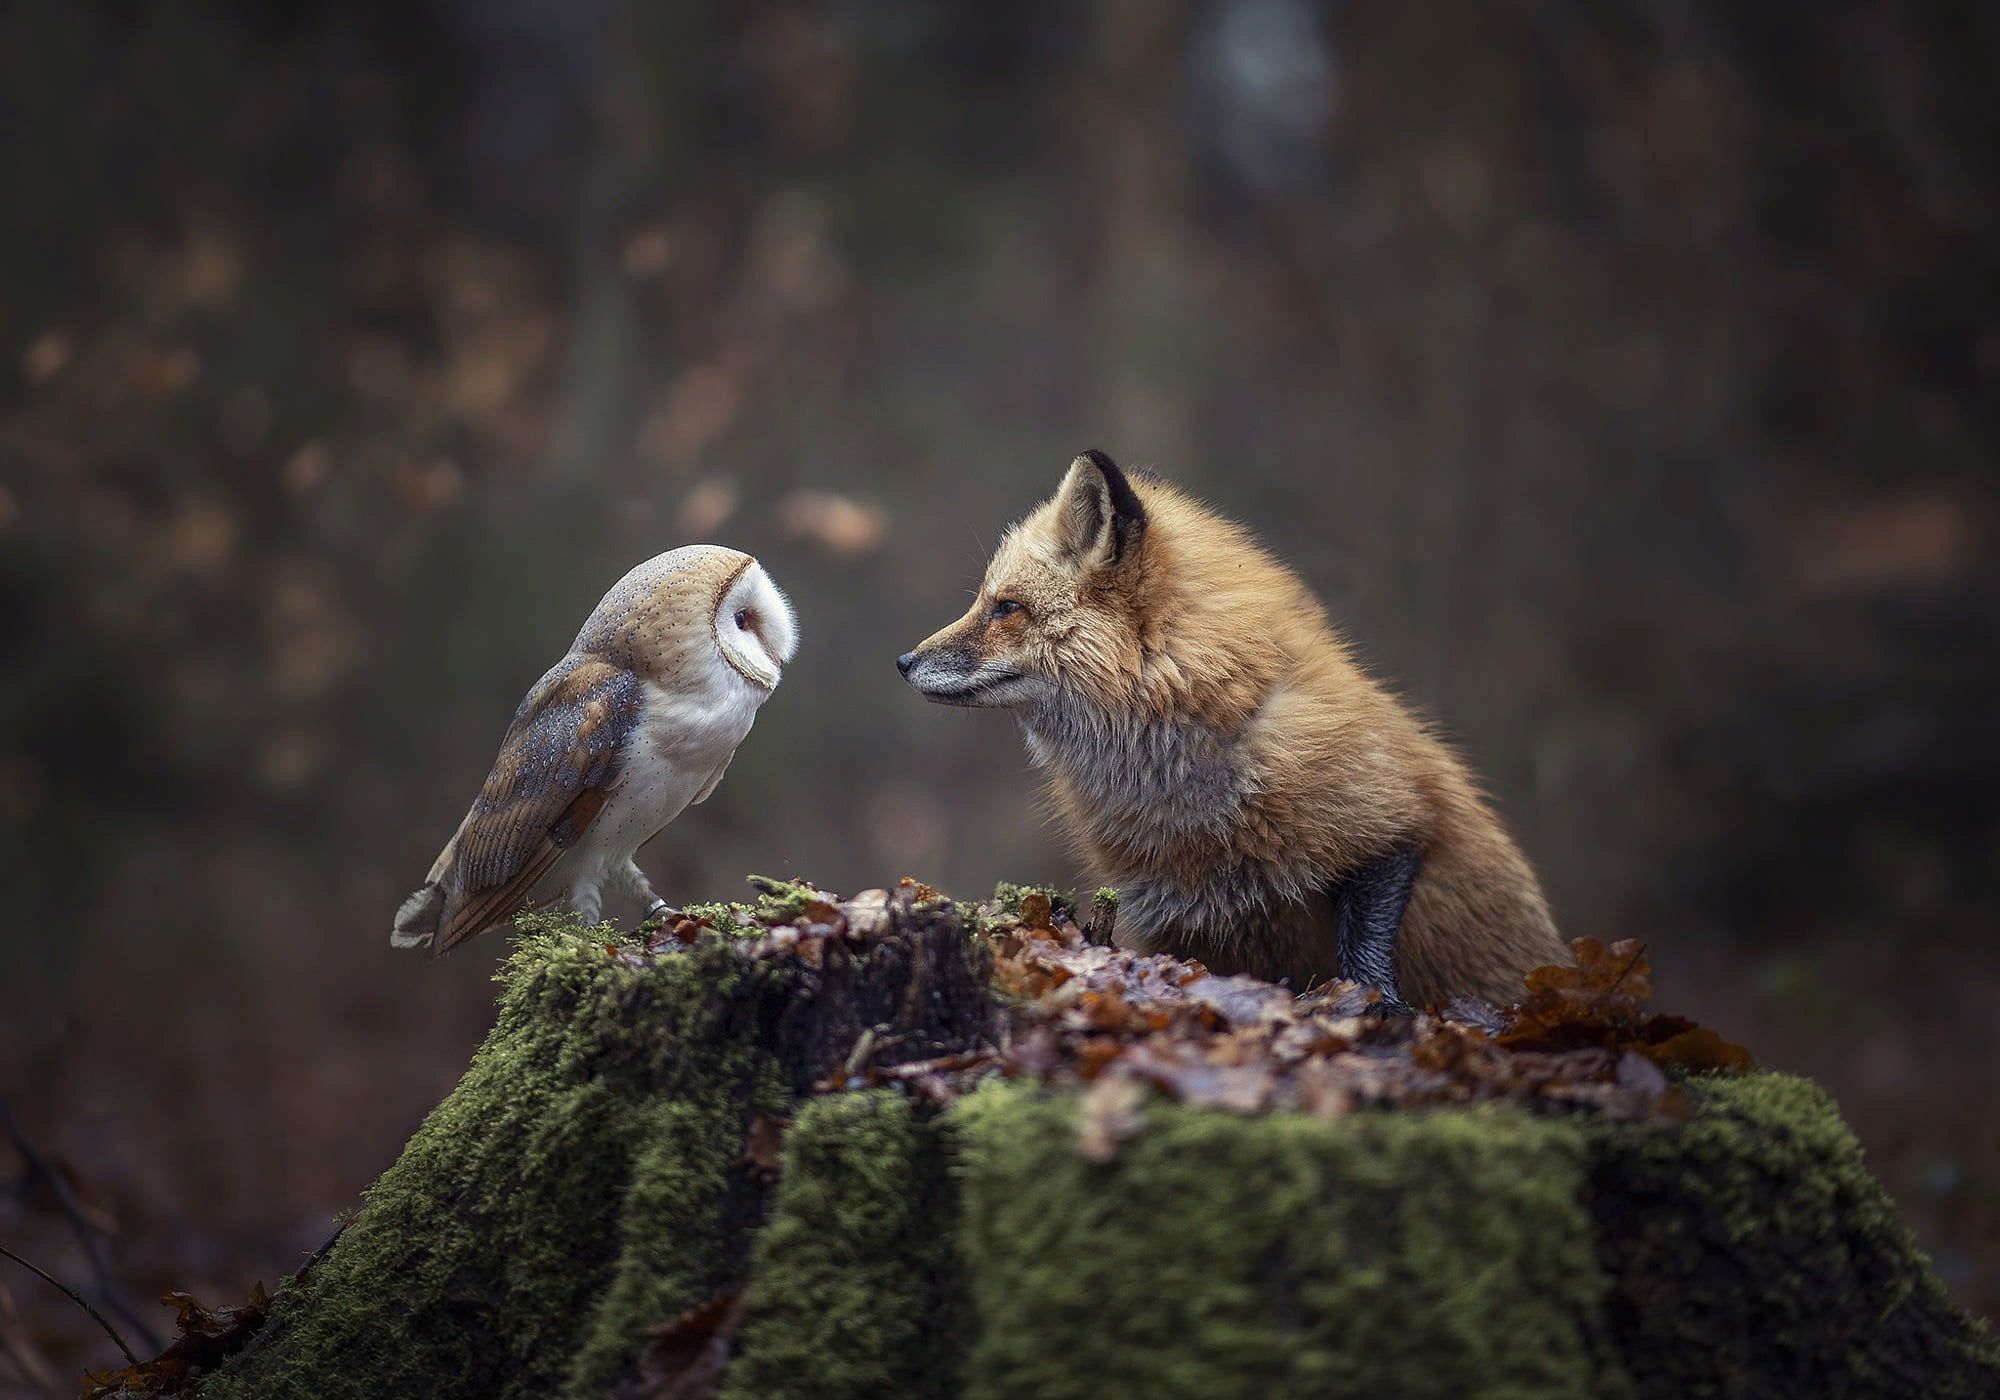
{"x": 1159, "y": 804}
{"x": 1176, "y": 816}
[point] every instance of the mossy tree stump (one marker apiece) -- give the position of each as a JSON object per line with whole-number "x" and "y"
{"x": 604, "y": 1168}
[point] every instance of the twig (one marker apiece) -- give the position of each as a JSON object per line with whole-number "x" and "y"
{"x": 271, "y": 1324}
{"x": 340, "y": 1224}
{"x": 74, "y": 1297}
{"x": 943, "y": 1064}
{"x": 100, "y": 1267}
{"x": 908, "y": 1070}
{"x": 859, "y": 1054}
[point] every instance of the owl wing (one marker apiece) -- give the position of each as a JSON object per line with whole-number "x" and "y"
{"x": 560, "y": 759}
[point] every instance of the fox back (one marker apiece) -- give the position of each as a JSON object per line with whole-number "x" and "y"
{"x": 1217, "y": 755}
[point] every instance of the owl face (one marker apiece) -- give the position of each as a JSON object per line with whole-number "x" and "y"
{"x": 754, "y": 627}
{"x": 697, "y": 616}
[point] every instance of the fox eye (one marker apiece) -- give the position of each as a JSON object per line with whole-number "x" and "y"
{"x": 742, "y": 619}
{"x": 1006, "y": 607}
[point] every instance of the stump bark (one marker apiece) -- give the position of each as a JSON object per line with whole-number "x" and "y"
{"x": 659, "y": 1163}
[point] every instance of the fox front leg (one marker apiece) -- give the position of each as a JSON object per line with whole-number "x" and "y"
{"x": 1371, "y": 901}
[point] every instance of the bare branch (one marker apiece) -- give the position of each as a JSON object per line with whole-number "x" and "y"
{"x": 74, "y": 1297}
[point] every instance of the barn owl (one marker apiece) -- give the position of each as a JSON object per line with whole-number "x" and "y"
{"x": 636, "y": 723}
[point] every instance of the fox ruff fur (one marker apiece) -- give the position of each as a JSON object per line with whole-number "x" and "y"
{"x": 1216, "y": 753}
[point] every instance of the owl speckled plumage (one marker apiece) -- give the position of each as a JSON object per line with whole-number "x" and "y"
{"x": 637, "y": 722}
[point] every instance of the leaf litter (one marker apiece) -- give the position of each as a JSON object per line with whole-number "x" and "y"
{"x": 1124, "y": 1027}
{"x": 208, "y": 1337}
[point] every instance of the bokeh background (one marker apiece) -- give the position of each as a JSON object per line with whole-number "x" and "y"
{"x": 1625, "y": 377}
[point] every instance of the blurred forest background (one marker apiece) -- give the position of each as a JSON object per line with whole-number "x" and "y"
{"x": 1626, "y": 378}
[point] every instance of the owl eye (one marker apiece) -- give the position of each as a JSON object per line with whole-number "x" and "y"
{"x": 1006, "y": 607}
{"x": 743, "y": 619}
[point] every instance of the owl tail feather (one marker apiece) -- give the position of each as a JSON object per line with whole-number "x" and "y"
{"x": 417, "y": 919}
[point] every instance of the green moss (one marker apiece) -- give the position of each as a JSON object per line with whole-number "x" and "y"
{"x": 1433, "y": 1253}
{"x": 491, "y": 1249}
{"x": 676, "y": 1248}
{"x": 1106, "y": 894}
{"x": 779, "y": 900}
{"x": 855, "y": 1288}
{"x": 1751, "y": 1253}
{"x": 726, "y": 915}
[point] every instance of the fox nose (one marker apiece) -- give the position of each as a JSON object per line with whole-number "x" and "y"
{"x": 906, "y": 662}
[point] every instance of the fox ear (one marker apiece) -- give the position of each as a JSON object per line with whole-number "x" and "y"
{"x": 1099, "y": 518}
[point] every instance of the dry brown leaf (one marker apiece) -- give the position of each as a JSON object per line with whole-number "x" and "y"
{"x": 687, "y": 1356}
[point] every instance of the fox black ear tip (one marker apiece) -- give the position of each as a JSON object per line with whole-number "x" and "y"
{"x": 1098, "y": 458}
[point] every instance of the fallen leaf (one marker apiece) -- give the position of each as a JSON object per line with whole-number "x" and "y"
{"x": 208, "y": 1337}
{"x": 686, "y": 1357}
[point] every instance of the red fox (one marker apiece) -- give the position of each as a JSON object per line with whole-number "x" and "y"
{"x": 1259, "y": 802}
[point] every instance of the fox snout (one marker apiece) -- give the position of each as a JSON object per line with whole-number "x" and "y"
{"x": 952, "y": 668}
{"x": 942, "y": 672}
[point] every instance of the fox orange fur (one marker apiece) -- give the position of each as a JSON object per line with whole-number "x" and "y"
{"x": 1259, "y": 801}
